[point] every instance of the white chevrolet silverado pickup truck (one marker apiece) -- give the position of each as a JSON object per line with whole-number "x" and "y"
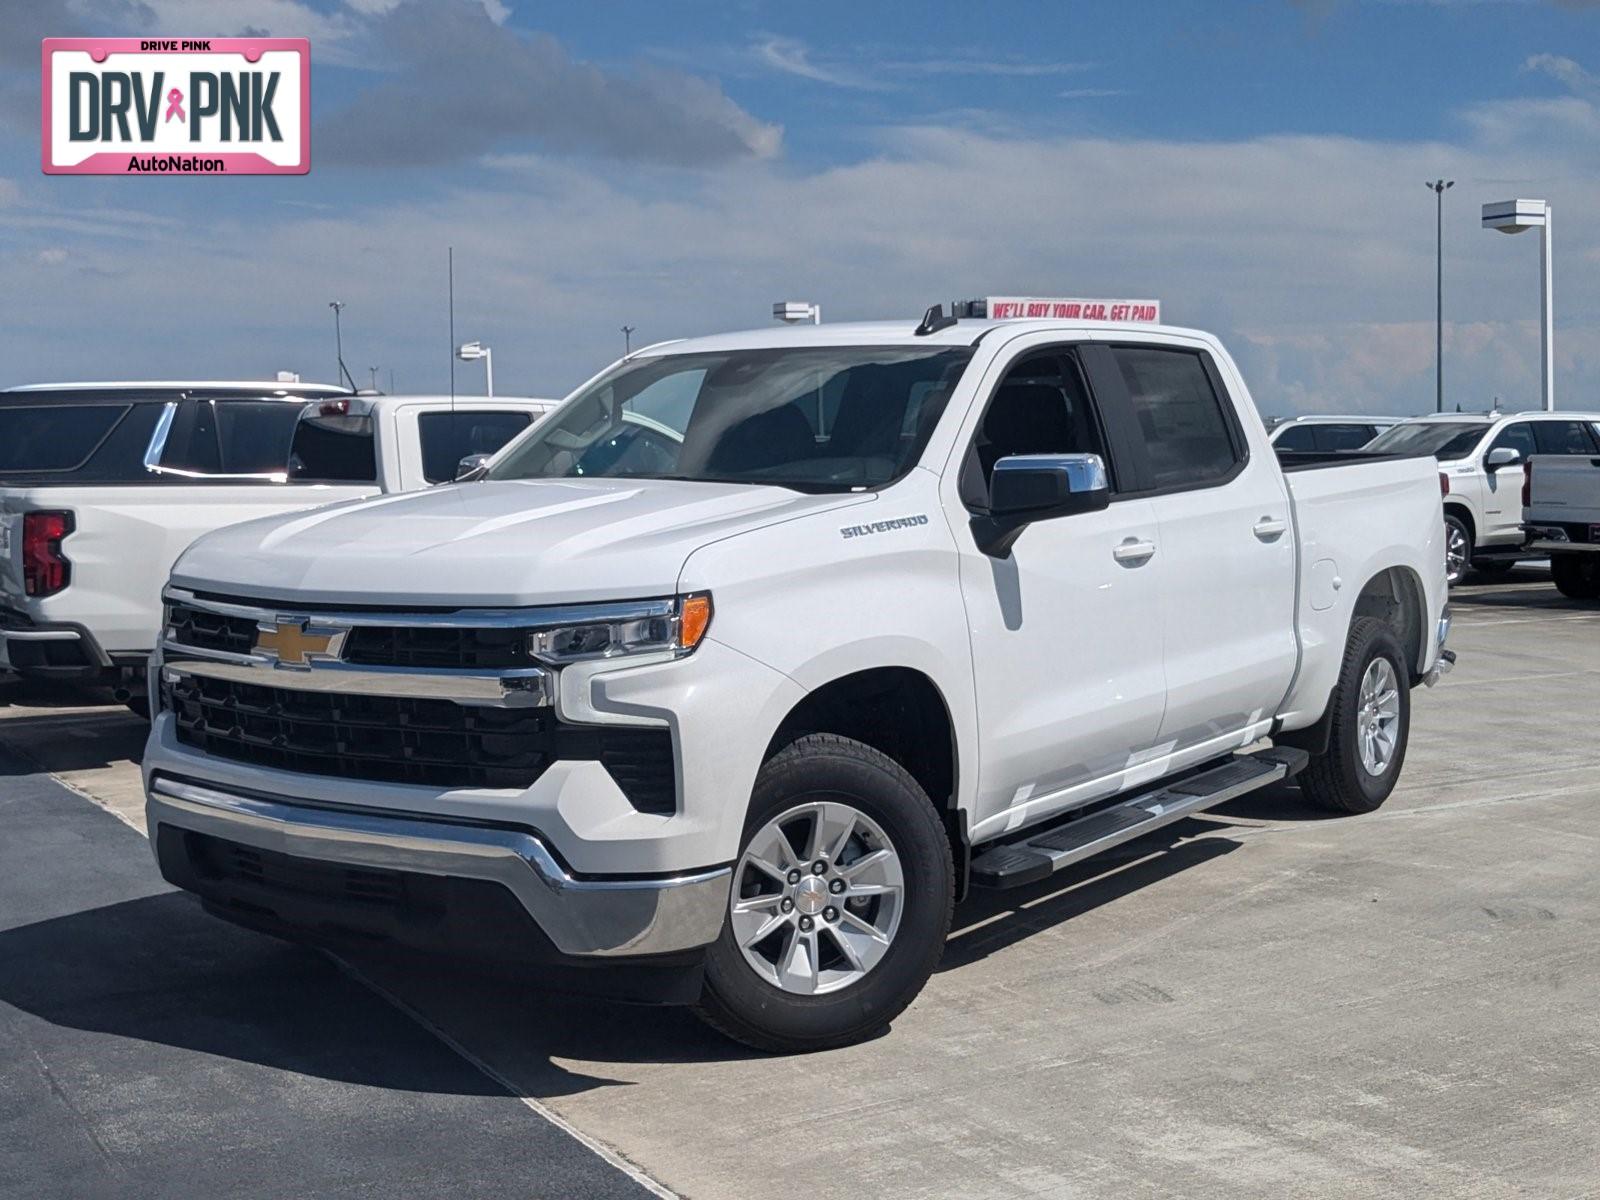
{"x": 102, "y": 485}
{"x": 725, "y": 681}
{"x": 1561, "y": 518}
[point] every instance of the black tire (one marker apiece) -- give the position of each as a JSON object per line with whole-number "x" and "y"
{"x": 1576, "y": 576}
{"x": 1455, "y": 528}
{"x": 747, "y": 1007}
{"x": 1337, "y": 779}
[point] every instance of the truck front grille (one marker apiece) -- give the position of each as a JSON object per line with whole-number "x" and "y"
{"x": 408, "y": 740}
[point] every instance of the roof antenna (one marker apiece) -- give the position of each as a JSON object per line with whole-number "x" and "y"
{"x": 933, "y": 320}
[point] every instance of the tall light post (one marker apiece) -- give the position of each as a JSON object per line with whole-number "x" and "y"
{"x": 472, "y": 351}
{"x": 338, "y": 342}
{"x": 1438, "y": 187}
{"x": 1514, "y": 216}
{"x": 627, "y": 332}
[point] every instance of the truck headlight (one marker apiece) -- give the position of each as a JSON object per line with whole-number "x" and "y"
{"x": 677, "y": 631}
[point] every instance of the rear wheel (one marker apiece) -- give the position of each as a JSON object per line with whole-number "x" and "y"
{"x": 1457, "y": 548}
{"x": 1576, "y": 576}
{"x": 840, "y": 904}
{"x": 1371, "y": 724}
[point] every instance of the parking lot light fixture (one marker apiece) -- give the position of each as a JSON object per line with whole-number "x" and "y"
{"x": 471, "y": 352}
{"x": 1515, "y": 216}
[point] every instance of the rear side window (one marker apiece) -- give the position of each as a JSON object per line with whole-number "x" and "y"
{"x": 1297, "y": 437}
{"x": 231, "y": 437}
{"x": 1563, "y": 437}
{"x": 448, "y": 437}
{"x": 1186, "y": 435}
{"x": 53, "y": 437}
{"x": 1343, "y": 437}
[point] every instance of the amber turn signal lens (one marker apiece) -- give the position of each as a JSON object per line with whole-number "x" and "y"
{"x": 695, "y": 620}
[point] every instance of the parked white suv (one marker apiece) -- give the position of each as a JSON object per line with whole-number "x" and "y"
{"x": 1480, "y": 472}
{"x": 737, "y": 713}
{"x": 1328, "y": 433}
{"x": 102, "y": 485}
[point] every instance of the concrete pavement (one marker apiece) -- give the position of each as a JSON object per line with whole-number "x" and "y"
{"x": 1259, "y": 1002}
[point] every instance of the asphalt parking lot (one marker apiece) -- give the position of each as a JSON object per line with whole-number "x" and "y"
{"x": 1257, "y": 1002}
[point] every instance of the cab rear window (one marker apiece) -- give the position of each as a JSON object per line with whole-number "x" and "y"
{"x": 53, "y": 437}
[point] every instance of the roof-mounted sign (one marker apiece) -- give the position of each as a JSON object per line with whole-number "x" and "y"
{"x": 1003, "y": 308}
{"x": 176, "y": 106}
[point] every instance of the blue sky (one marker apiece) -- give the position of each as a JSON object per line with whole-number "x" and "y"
{"x": 1257, "y": 166}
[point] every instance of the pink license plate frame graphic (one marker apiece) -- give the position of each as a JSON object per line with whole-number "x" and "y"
{"x": 233, "y": 162}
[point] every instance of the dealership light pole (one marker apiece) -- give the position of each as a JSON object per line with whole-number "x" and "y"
{"x": 627, "y": 332}
{"x": 338, "y": 342}
{"x": 1439, "y": 187}
{"x": 470, "y": 352}
{"x": 1514, "y": 216}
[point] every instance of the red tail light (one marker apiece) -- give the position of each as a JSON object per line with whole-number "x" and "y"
{"x": 1444, "y": 484}
{"x": 1527, "y": 483}
{"x": 45, "y": 570}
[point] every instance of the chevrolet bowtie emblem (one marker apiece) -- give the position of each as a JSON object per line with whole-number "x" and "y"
{"x": 298, "y": 643}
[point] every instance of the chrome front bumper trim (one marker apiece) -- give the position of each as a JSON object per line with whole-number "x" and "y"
{"x": 583, "y": 917}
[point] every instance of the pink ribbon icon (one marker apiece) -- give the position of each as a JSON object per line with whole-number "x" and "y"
{"x": 175, "y": 106}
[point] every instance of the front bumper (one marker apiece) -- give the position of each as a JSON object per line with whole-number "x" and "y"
{"x": 601, "y": 919}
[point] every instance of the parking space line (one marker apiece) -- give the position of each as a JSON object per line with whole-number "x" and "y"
{"x": 599, "y": 1148}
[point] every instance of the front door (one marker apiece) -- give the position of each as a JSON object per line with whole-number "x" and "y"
{"x": 1066, "y": 629}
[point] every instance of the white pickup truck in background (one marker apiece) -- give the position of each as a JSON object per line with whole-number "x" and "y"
{"x": 102, "y": 485}
{"x": 730, "y": 715}
{"x": 1561, "y": 518}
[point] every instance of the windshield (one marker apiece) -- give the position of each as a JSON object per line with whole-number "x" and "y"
{"x": 813, "y": 419}
{"x": 1443, "y": 439}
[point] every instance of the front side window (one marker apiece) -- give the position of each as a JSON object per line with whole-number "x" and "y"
{"x": 448, "y": 437}
{"x": 1518, "y": 437}
{"x": 821, "y": 419}
{"x": 1040, "y": 407}
{"x": 1186, "y": 437}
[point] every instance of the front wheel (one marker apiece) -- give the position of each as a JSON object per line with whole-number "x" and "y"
{"x": 1576, "y": 576}
{"x": 1371, "y": 724}
{"x": 840, "y": 905}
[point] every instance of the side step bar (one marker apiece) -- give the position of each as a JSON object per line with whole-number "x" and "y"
{"x": 1013, "y": 864}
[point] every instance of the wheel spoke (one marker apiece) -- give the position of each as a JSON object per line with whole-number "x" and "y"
{"x": 868, "y": 868}
{"x": 752, "y": 925}
{"x": 770, "y": 851}
{"x": 798, "y": 970}
{"x": 830, "y": 831}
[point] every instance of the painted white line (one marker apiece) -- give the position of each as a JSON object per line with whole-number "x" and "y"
{"x": 1473, "y": 624}
{"x": 611, "y": 1156}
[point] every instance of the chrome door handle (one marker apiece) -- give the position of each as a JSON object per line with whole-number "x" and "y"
{"x": 1270, "y": 528}
{"x": 1134, "y": 552}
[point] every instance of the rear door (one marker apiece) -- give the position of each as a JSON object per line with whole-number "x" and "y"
{"x": 1225, "y": 541}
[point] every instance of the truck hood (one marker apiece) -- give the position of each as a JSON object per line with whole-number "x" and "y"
{"x": 509, "y": 543}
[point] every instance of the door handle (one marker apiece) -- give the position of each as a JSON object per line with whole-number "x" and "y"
{"x": 1270, "y": 528}
{"x": 1134, "y": 552}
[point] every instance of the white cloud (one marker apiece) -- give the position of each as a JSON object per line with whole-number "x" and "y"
{"x": 792, "y": 57}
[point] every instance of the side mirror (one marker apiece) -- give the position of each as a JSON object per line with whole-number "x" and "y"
{"x": 1502, "y": 456}
{"x": 1037, "y": 487}
{"x": 471, "y": 467}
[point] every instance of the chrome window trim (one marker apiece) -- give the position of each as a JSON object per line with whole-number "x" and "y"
{"x": 158, "y": 438}
{"x": 599, "y": 917}
{"x": 548, "y": 616}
